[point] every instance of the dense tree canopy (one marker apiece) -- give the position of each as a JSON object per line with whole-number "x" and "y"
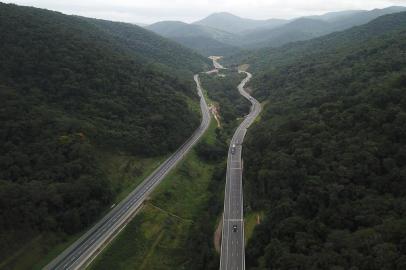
{"x": 69, "y": 88}
{"x": 223, "y": 90}
{"x": 327, "y": 161}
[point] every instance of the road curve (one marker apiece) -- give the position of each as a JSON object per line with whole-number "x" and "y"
{"x": 216, "y": 64}
{"x": 232, "y": 244}
{"x": 80, "y": 253}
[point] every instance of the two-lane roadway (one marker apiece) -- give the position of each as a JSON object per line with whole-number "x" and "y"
{"x": 232, "y": 243}
{"x": 80, "y": 253}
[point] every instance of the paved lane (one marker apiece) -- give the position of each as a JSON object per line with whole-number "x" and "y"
{"x": 80, "y": 253}
{"x": 232, "y": 244}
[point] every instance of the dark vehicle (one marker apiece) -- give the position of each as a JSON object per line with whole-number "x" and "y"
{"x": 234, "y": 228}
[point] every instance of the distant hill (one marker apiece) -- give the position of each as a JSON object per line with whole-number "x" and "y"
{"x": 176, "y": 29}
{"x": 227, "y": 34}
{"x": 72, "y": 90}
{"x": 152, "y": 48}
{"x": 300, "y": 29}
{"x": 207, "y": 46}
{"x": 141, "y": 24}
{"x": 330, "y": 16}
{"x": 234, "y": 24}
{"x": 205, "y": 40}
{"x": 327, "y": 158}
{"x": 311, "y": 27}
{"x": 362, "y": 17}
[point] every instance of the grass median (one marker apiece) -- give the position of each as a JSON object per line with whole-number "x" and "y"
{"x": 159, "y": 237}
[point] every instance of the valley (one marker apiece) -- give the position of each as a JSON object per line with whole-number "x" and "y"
{"x": 198, "y": 139}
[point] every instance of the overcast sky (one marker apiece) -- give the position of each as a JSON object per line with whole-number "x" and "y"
{"x": 149, "y": 11}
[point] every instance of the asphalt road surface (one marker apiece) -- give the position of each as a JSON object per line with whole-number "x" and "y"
{"x": 232, "y": 243}
{"x": 80, "y": 253}
{"x": 216, "y": 64}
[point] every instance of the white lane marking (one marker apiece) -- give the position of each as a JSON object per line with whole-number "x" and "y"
{"x": 163, "y": 169}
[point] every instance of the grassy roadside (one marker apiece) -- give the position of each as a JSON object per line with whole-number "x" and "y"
{"x": 251, "y": 220}
{"x": 159, "y": 236}
{"x": 125, "y": 172}
{"x": 175, "y": 228}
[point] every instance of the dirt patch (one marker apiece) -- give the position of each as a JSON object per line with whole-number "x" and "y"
{"x": 249, "y": 90}
{"x": 212, "y": 71}
{"x": 217, "y": 236}
{"x": 244, "y": 67}
{"x": 215, "y": 58}
{"x": 216, "y": 114}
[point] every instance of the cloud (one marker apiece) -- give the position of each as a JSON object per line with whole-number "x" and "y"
{"x": 149, "y": 11}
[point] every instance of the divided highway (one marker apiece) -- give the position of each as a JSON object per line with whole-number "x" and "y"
{"x": 80, "y": 253}
{"x": 232, "y": 243}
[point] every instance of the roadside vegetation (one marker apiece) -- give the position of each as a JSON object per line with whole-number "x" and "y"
{"x": 87, "y": 108}
{"x": 222, "y": 88}
{"x": 174, "y": 229}
{"x": 123, "y": 172}
{"x": 176, "y": 226}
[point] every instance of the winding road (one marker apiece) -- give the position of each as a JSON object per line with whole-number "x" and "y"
{"x": 232, "y": 244}
{"x": 87, "y": 247}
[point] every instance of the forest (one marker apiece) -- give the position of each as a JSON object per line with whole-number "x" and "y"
{"x": 327, "y": 160}
{"x": 70, "y": 89}
{"x": 222, "y": 89}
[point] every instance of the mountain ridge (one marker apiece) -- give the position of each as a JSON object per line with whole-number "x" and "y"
{"x": 224, "y": 29}
{"x": 234, "y": 24}
{"x": 203, "y": 39}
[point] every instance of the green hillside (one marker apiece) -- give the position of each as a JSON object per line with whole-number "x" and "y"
{"x": 311, "y": 27}
{"x": 327, "y": 160}
{"x": 153, "y": 49}
{"x": 226, "y": 34}
{"x": 73, "y": 90}
{"x": 207, "y": 46}
{"x": 233, "y": 24}
{"x": 203, "y": 39}
{"x": 297, "y": 30}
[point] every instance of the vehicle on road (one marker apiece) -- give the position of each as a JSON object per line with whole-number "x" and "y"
{"x": 233, "y": 201}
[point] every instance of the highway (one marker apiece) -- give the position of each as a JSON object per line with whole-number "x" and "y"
{"x": 232, "y": 244}
{"x": 216, "y": 64}
{"x": 87, "y": 247}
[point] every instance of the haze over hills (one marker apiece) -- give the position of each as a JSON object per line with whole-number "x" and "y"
{"x": 72, "y": 91}
{"x": 233, "y": 24}
{"x": 308, "y": 28}
{"x": 300, "y": 29}
{"x": 335, "y": 15}
{"x": 205, "y": 40}
{"x": 253, "y": 34}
